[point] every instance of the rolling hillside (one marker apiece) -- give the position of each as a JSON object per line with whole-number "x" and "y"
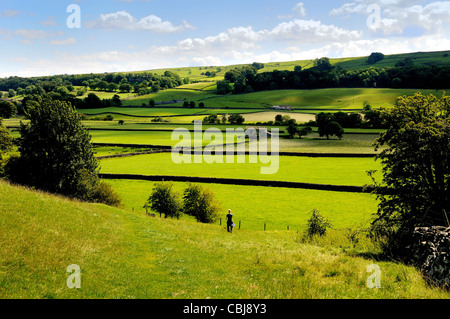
{"x": 123, "y": 254}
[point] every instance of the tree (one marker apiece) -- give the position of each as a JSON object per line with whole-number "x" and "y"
{"x": 373, "y": 118}
{"x": 375, "y": 57}
{"x": 224, "y": 87}
{"x": 323, "y": 64}
{"x": 92, "y": 101}
{"x": 164, "y": 200}
{"x": 116, "y": 101}
{"x": 258, "y": 65}
{"x": 113, "y": 86}
{"x": 211, "y": 119}
{"x": 236, "y": 119}
{"x": 155, "y": 88}
{"x": 200, "y": 203}
{"x": 152, "y": 103}
{"x": 7, "y": 109}
{"x": 317, "y": 224}
{"x": 416, "y": 170}
{"x": 125, "y": 87}
{"x": 11, "y": 93}
{"x": 328, "y": 126}
{"x": 56, "y": 154}
{"x": 335, "y": 129}
{"x": 6, "y": 140}
{"x": 6, "y": 144}
{"x": 292, "y": 130}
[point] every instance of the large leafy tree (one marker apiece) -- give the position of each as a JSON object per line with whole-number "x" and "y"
{"x": 415, "y": 189}
{"x": 7, "y": 109}
{"x": 55, "y": 152}
{"x": 327, "y": 125}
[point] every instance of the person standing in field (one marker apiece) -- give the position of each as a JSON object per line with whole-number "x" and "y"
{"x": 230, "y": 223}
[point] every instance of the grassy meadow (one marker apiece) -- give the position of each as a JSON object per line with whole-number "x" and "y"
{"x": 255, "y": 206}
{"x": 42, "y": 235}
{"x": 334, "y": 171}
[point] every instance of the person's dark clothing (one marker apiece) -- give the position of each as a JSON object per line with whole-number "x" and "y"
{"x": 230, "y": 223}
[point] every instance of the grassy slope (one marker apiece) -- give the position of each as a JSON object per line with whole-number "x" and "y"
{"x": 339, "y": 98}
{"x": 126, "y": 255}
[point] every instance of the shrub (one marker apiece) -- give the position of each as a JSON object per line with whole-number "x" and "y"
{"x": 200, "y": 203}
{"x": 317, "y": 224}
{"x": 164, "y": 200}
{"x": 105, "y": 194}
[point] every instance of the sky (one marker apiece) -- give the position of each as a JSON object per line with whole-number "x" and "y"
{"x": 49, "y": 37}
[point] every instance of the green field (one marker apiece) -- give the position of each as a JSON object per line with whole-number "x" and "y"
{"x": 278, "y": 208}
{"x": 334, "y": 171}
{"x": 341, "y": 98}
{"x": 124, "y": 254}
{"x": 418, "y": 58}
{"x": 337, "y": 98}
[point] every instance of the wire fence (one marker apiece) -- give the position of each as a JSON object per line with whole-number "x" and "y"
{"x": 242, "y": 224}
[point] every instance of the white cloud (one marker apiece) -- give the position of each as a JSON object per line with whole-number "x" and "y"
{"x": 124, "y": 20}
{"x": 397, "y": 15}
{"x": 29, "y": 35}
{"x": 67, "y": 41}
{"x": 10, "y": 13}
{"x": 157, "y": 57}
{"x": 300, "y": 9}
{"x": 51, "y": 21}
{"x": 312, "y": 31}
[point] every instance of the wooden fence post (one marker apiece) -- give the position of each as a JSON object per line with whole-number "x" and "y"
{"x": 264, "y": 226}
{"x": 239, "y": 225}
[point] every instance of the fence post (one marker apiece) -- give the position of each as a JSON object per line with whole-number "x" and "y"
{"x": 288, "y": 227}
{"x": 220, "y": 221}
{"x": 264, "y": 226}
{"x": 239, "y": 225}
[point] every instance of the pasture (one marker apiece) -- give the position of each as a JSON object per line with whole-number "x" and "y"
{"x": 278, "y": 208}
{"x": 334, "y": 171}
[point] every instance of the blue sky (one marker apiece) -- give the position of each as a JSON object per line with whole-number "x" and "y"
{"x": 131, "y": 35}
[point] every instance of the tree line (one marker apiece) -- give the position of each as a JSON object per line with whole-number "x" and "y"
{"x": 140, "y": 83}
{"x": 246, "y": 79}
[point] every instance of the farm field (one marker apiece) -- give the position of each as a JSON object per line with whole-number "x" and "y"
{"x": 337, "y": 98}
{"x": 275, "y": 207}
{"x": 143, "y": 138}
{"x": 270, "y": 116}
{"x": 349, "y": 144}
{"x": 334, "y": 171}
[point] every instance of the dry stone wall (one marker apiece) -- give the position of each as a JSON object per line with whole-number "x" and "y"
{"x": 430, "y": 251}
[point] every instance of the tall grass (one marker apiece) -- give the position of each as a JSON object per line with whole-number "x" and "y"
{"x": 128, "y": 255}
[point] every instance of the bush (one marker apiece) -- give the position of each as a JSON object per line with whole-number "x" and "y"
{"x": 317, "y": 224}
{"x": 164, "y": 200}
{"x": 104, "y": 193}
{"x": 201, "y": 204}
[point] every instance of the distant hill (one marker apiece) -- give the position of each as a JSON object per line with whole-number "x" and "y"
{"x": 352, "y": 63}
